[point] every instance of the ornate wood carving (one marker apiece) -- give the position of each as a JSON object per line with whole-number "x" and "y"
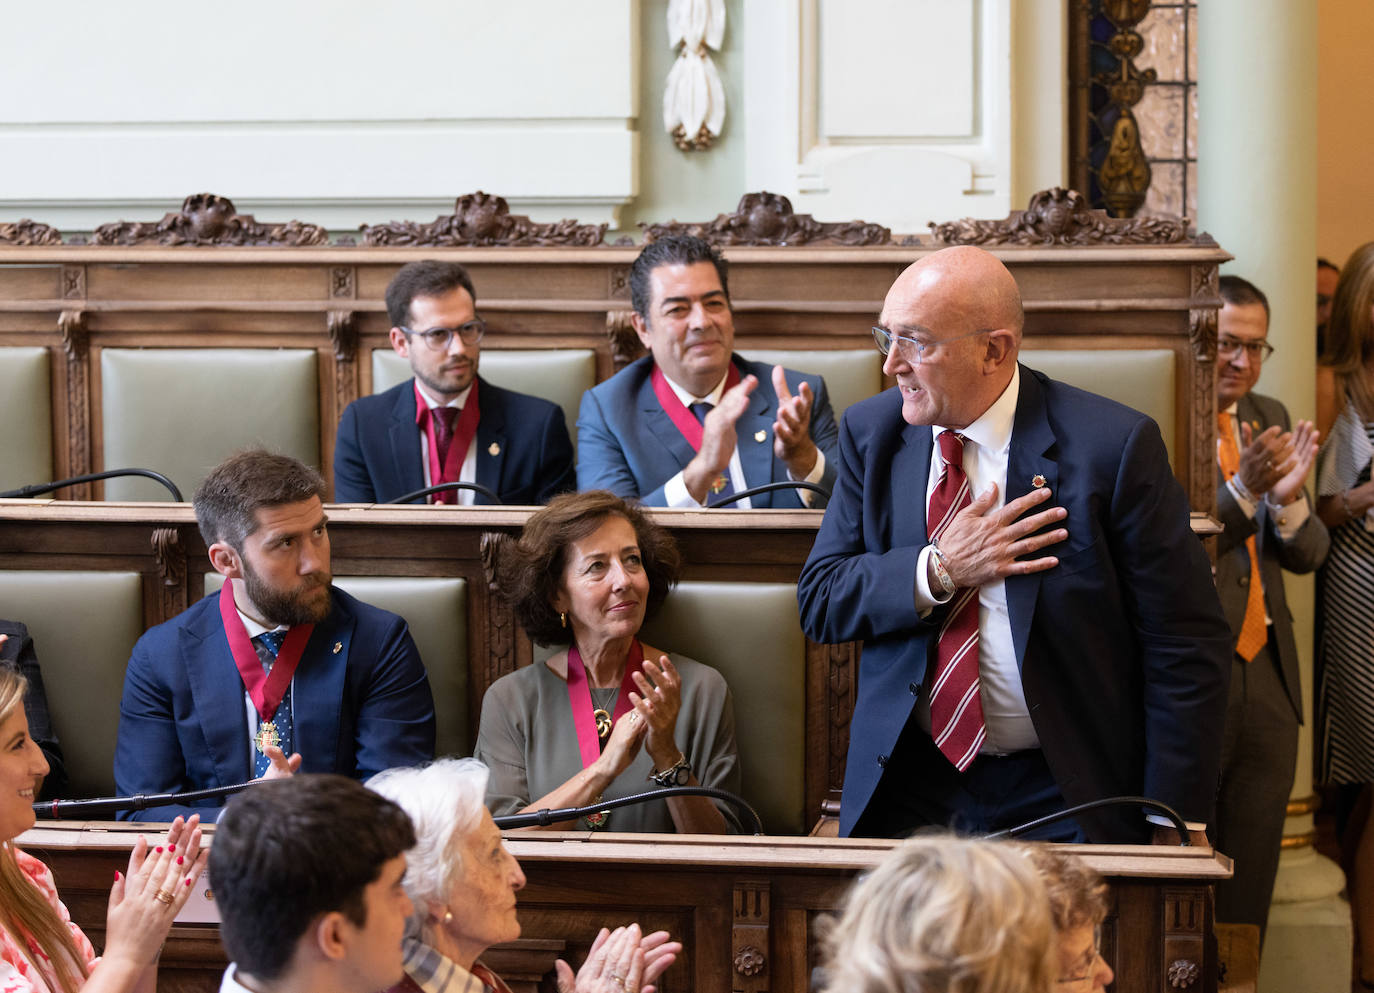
{"x": 1061, "y": 217}
{"x": 71, "y": 325}
{"x": 343, "y": 282}
{"x": 765, "y": 218}
{"x": 27, "y": 232}
{"x": 1185, "y": 923}
{"x": 844, "y": 673}
{"x": 625, "y": 343}
{"x": 209, "y": 219}
{"x": 73, "y": 282}
{"x": 503, "y": 633}
{"x": 749, "y": 936}
{"x": 1202, "y": 336}
{"x": 343, "y": 335}
{"x": 483, "y": 219}
{"x": 170, "y": 556}
{"x": 620, "y": 283}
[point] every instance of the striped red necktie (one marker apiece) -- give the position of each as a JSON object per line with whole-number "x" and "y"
{"x": 956, "y": 712}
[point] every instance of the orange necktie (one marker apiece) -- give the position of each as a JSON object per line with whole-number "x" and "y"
{"x": 1253, "y": 631}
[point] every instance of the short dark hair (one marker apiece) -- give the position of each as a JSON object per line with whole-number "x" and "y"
{"x": 1323, "y": 263}
{"x": 426, "y": 278}
{"x": 1240, "y": 292}
{"x": 676, "y": 249}
{"x": 528, "y": 571}
{"x": 227, "y": 501}
{"x": 286, "y": 851}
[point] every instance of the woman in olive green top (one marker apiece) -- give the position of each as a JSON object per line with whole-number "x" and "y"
{"x": 607, "y": 716}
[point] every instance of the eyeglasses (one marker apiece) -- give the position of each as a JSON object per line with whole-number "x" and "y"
{"x": 1255, "y": 351}
{"x": 439, "y": 339}
{"x": 911, "y": 349}
{"x": 1097, "y": 953}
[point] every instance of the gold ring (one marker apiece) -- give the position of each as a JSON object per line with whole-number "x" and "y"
{"x": 164, "y": 897}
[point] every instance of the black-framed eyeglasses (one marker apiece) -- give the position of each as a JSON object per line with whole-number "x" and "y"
{"x": 439, "y": 339}
{"x": 911, "y": 349}
{"x": 1256, "y": 351}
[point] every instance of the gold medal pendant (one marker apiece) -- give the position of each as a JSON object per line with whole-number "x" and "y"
{"x": 720, "y": 483}
{"x": 603, "y": 723}
{"x": 267, "y": 735}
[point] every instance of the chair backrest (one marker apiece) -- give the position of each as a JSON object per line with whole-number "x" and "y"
{"x": 25, "y": 418}
{"x": 850, "y": 375}
{"x": 182, "y": 411}
{"x": 84, "y": 625}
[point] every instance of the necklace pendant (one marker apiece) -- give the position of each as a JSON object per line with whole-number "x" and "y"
{"x": 267, "y": 735}
{"x": 603, "y": 723}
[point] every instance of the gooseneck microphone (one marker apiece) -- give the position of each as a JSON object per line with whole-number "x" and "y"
{"x": 1110, "y": 801}
{"x": 36, "y": 489}
{"x": 799, "y": 484}
{"x": 440, "y": 488}
{"x": 546, "y": 816}
{"x": 58, "y": 810}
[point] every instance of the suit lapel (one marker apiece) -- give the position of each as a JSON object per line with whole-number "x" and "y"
{"x": 217, "y": 694}
{"x": 490, "y": 441}
{"x": 405, "y": 446}
{"x": 662, "y": 427}
{"x": 910, "y": 475}
{"x": 755, "y": 455}
{"x": 318, "y": 690}
{"x": 1032, "y": 441}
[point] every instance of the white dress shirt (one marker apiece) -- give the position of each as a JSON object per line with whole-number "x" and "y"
{"x": 675, "y": 489}
{"x": 468, "y": 472}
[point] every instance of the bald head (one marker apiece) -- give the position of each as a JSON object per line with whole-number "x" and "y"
{"x": 964, "y": 307}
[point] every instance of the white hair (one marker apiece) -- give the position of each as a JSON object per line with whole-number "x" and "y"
{"x": 445, "y": 801}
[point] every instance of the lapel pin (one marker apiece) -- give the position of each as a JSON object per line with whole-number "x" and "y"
{"x": 338, "y": 647}
{"x": 493, "y": 449}
{"x": 760, "y": 435}
{"x": 1037, "y": 480}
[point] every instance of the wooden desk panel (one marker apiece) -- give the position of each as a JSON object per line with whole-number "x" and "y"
{"x": 745, "y": 908}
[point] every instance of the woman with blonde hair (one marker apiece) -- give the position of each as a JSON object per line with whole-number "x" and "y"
{"x": 942, "y": 914}
{"x": 40, "y": 948}
{"x": 1078, "y": 906}
{"x": 1345, "y": 503}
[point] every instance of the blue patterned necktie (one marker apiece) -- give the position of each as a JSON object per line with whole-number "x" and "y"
{"x": 267, "y": 645}
{"x": 699, "y": 410}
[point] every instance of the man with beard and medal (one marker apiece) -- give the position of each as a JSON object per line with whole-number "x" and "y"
{"x": 279, "y": 663}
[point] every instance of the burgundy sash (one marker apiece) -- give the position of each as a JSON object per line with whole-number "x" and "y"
{"x": 463, "y": 433}
{"x": 683, "y": 419}
{"x": 264, "y": 689}
{"x": 580, "y": 698}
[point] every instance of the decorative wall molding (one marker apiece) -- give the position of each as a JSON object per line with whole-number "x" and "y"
{"x": 765, "y": 218}
{"x": 27, "y": 232}
{"x": 481, "y": 219}
{"x": 1061, "y": 217}
{"x": 209, "y": 219}
{"x": 693, "y": 95}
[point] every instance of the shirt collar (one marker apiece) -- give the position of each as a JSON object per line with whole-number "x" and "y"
{"x": 253, "y": 627}
{"x": 992, "y": 430}
{"x": 458, "y": 401}
{"x": 688, "y": 399}
{"x": 435, "y": 972}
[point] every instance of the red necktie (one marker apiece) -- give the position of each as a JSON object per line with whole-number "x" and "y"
{"x": 956, "y": 712}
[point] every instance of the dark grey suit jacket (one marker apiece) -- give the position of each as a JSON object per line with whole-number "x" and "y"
{"x": 1303, "y": 553}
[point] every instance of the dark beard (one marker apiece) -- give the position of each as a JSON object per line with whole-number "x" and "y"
{"x": 286, "y": 607}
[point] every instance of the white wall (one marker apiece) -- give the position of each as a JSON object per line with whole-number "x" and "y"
{"x": 340, "y": 112}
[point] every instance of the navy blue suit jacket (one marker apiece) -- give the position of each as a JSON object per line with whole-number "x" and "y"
{"x": 377, "y": 452}
{"x": 1124, "y": 651}
{"x": 361, "y": 696}
{"x": 628, "y": 445}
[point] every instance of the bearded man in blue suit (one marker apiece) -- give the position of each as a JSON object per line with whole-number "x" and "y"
{"x": 1040, "y": 625}
{"x": 279, "y": 671}
{"x": 692, "y": 423}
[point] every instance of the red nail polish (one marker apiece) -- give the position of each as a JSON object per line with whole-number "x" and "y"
{"x": 158, "y": 849}
{"x": 180, "y": 860}
{"x": 188, "y": 882}
{"x": 171, "y": 848}
{"x": 116, "y": 875}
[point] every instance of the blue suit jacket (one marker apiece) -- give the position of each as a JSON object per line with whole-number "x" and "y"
{"x": 1124, "y": 651}
{"x": 628, "y": 445}
{"x": 377, "y": 452}
{"x": 362, "y": 703}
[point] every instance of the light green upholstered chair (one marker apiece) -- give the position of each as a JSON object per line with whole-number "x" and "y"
{"x": 558, "y": 374}
{"x": 1142, "y": 378}
{"x": 182, "y": 411}
{"x": 436, "y": 611}
{"x": 850, "y": 375}
{"x": 25, "y": 417}
{"x": 83, "y": 660}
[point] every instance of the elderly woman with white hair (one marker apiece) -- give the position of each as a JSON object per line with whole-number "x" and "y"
{"x": 941, "y": 914}
{"x": 462, "y": 882}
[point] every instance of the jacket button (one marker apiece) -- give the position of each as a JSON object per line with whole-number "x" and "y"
{"x": 882, "y": 761}
{"x": 915, "y": 690}
{"x": 1245, "y": 580}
